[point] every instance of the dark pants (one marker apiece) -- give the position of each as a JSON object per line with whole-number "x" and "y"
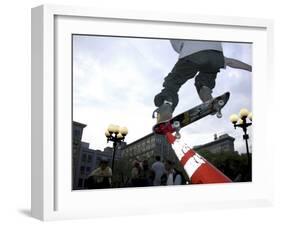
{"x": 207, "y": 63}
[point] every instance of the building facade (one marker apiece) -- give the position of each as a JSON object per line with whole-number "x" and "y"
{"x": 147, "y": 147}
{"x": 86, "y": 164}
{"x": 222, "y": 143}
{"x": 77, "y": 132}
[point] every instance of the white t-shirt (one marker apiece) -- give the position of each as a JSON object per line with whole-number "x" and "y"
{"x": 188, "y": 47}
{"x": 159, "y": 169}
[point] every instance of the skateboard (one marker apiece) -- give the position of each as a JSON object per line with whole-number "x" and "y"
{"x": 200, "y": 111}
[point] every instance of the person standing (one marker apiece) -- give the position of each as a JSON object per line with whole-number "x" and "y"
{"x": 100, "y": 177}
{"x": 136, "y": 174}
{"x": 158, "y": 169}
{"x": 172, "y": 176}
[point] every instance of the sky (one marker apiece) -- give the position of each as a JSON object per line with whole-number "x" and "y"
{"x": 115, "y": 80}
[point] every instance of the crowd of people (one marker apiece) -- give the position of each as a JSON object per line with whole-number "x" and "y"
{"x": 160, "y": 173}
{"x": 141, "y": 175}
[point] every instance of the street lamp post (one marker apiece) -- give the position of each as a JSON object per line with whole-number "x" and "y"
{"x": 241, "y": 122}
{"x": 116, "y": 134}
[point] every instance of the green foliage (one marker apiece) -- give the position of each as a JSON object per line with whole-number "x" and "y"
{"x": 232, "y": 164}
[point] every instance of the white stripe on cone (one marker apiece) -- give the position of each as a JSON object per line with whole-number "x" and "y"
{"x": 193, "y": 163}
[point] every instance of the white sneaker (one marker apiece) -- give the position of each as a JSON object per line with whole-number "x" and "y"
{"x": 205, "y": 94}
{"x": 164, "y": 112}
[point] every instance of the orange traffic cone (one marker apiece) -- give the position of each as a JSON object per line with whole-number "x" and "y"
{"x": 198, "y": 169}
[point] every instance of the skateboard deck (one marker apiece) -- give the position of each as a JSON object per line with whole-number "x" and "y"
{"x": 200, "y": 111}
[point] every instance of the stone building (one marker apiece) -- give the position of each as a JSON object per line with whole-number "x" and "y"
{"x": 222, "y": 143}
{"x": 85, "y": 165}
{"x": 147, "y": 148}
{"x": 77, "y": 132}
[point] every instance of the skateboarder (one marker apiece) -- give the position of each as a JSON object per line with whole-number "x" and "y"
{"x": 199, "y": 59}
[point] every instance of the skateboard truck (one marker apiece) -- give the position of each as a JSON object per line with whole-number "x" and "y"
{"x": 218, "y": 108}
{"x": 176, "y": 126}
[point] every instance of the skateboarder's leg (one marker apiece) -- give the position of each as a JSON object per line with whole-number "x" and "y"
{"x": 182, "y": 71}
{"x": 204, "y": 83}
{"x": 209, "y": 62}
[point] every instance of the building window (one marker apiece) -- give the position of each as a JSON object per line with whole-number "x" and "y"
{"x": 82, "y": 170}
{"x": 76, "y": 133}
{"x": 89, "y": 158}
{"x": 84, "y": 156}
{"x": 75, "y": 141}
{"x": 225, "y": 147}
{"x": 88, "y": 169}
{"x": 80, "y": 182}
{"x": 137, "y": 151}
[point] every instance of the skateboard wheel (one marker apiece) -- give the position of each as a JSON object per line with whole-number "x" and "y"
{"x": 220, "y": 102}
{"x": 176, "y": 124}
{"x": 219, "y": 115}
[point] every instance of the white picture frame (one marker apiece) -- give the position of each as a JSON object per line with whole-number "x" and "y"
{"x": 52, "y": 197}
